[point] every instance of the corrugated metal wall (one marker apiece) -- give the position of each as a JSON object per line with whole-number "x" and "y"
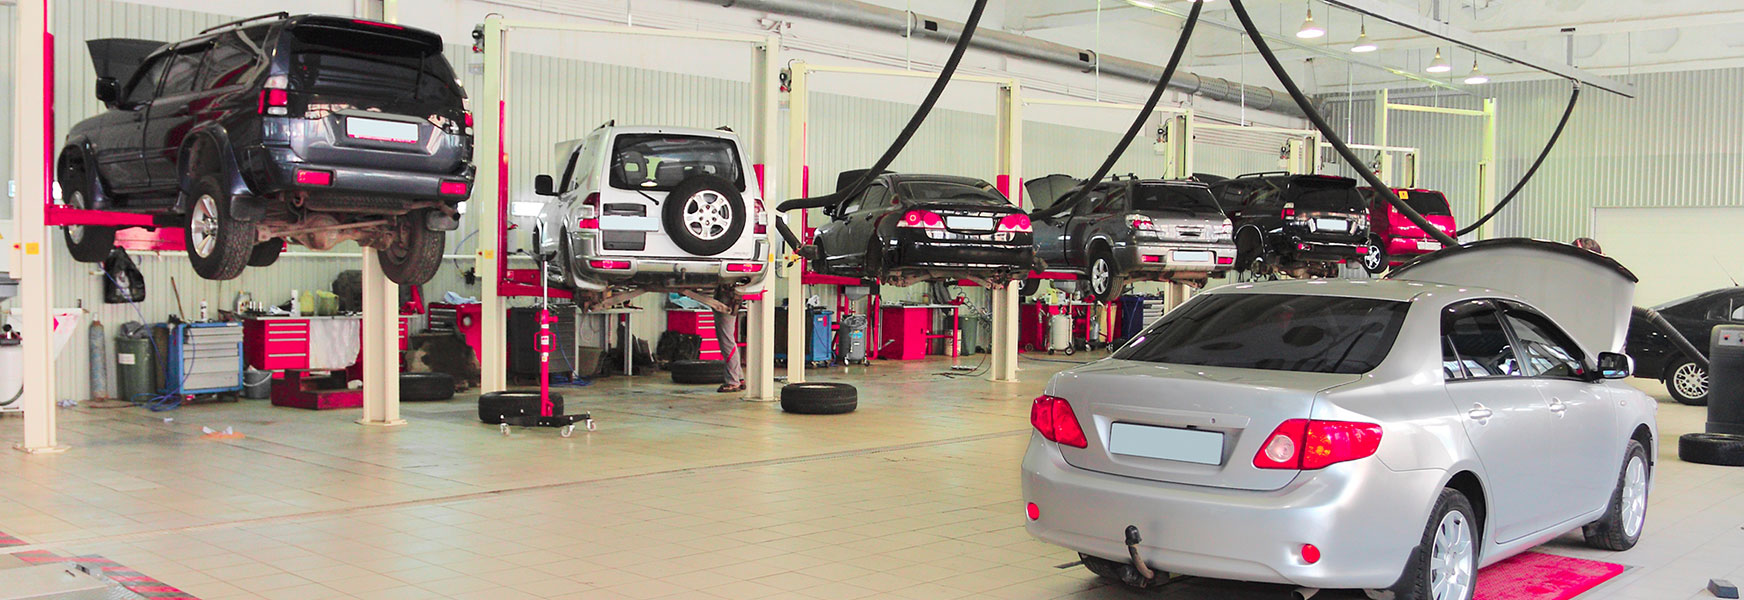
{"x": 1676, "y": 145}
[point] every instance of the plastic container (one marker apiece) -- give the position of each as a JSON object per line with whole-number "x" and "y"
{"x": 135, "y": 368}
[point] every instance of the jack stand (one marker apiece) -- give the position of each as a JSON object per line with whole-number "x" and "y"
{"x": 545, "y": 343}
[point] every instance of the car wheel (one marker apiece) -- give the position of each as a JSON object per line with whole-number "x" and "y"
{"x": 1122, "y": 573}
{"x": 704, "y": 215}
{"x": 1621, "y": 526}
{"x": 492, "y": 407}
{"x": 415, "y": 253}
{"x": 87, "y": 243}
{"x": 1444, "y": 566}
{"x": 1375, "y": 260}
{"x": 266, "y": 253}
{"x": 1723, "y": 449}
{"x": 1029, "y": 287}
{"x": 1248, "y": 247}
{"x": 218, "y": 245}
{"x": 1687, "y": 382}
{"x": 712, "y": 372}
{"x": 1105, "y": 283}
{"x": 426, "y": 387}
{"x": 819, "y": 398}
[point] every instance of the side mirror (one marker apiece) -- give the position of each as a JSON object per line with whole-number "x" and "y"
{"x": 108, "y": 91}
{"x": 543, "y": 186}
{"x": 1615, "y": 366}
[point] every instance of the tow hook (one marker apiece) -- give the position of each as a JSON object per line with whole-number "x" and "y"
{"x": 1138, "y": 564}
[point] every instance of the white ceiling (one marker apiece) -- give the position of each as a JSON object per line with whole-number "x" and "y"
{"x": 1611, "y": 37}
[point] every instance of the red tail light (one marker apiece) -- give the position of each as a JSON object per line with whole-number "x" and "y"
{"x": 1153, "y": 258}
{"x": 744, "y": 267}
{"x": 590, "y": 212}
{"x": 762, "y": 218}
{"x": 467, "y": 118}
{"x": 1308, "y": 445}
{"x": 1289, "y": 210}
{"x": 1054, "y": 419}
{"x": 922, "y": 219}
{"x": 1140, "y": 222}
{"x": 610, "y": 265}
{"x": 274, "y": 101}
{"x": 1362, "y": 250}
{"x": 1226, "y": 260}
{"x": 311, "y": 177}
{"x": 452, "y": 188}
{"x": 1016, "y": 223}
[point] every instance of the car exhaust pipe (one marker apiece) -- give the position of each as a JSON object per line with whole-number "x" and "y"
{"x": 1303, "y": 593}
{"x": 1138, "y": 564}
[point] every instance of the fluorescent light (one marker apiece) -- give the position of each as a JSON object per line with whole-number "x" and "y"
{"x": 1310, "y": 29}
{"x": 526, "y": 209}
{"x": 1476, "y": 77}
{"x": 1363, "y": 43}
{"x": 1142, "y": 3}
{"x": 1439, "y": 65}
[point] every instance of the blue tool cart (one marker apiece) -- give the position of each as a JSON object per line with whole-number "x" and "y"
{"x": 203, "y": 358}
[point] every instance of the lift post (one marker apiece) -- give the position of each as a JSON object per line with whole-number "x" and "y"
{"x": 1486, "y": 162}
{"x": 381, "y": 325}
{"x": 33, "y": 152}
{"x": 765, "y": 85}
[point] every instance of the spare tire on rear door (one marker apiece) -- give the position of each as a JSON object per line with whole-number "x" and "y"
{"x": 819, "y": 398}
{"x": 704, "y": 215}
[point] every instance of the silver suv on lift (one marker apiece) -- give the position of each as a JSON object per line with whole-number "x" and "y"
{"x": 653, "y": 209}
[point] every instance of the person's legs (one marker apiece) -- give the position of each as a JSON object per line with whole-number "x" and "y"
{"x": 726, "y": 335}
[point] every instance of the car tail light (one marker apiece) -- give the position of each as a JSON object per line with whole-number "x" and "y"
{"x": 1308, "y": 445}
{"x": 1053, "y": 417}
{"x": 1289, "y": 210}
{"x": 312, "y": 177}
{"x": 590, "y": 210}
{"x": 744, "y": 267}
{"x": 1153, "y": 258}
{"x": 1033, "y": 512}
{"x": 1226, "y": 260}
{"x": 1016, "y": 223}
{"x": 466, "y": 117}
{"x": 1303, "y": 247}
{"x": 1140, "y": 222}
{"x": 922, "y": 219}
{"x": 1226, "y": 230}
{"x": 274, "y": 101}
{"x": 762, "y": 218}
{"x": 453, "y": 188}
{"x": 609, "y": 265}
{"x": 1362, "y": 250}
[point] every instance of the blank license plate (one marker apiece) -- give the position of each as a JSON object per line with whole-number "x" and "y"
{"x": 628, "y": 223}
{"x": 1194, "y": 256}
{"x": 1167, "y": 443}
{"x": 969, "y": 223}
{"x": 1331, "y": 224}
{"x": 383, "y": 131}
{"x": 1428, "y": 245}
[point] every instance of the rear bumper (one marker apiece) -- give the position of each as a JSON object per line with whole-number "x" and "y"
{"x": 1334, "y": 250}
{"x": 1411, "y": 246}
{"x": 913, "y": 250}
{"x": 271, "y": 170}
{"x": 695, "y": 273}
{"x": 1365, "y": 519}
{"x": 1165, "y": 257}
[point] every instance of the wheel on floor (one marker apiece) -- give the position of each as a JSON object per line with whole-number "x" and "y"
{"x": 819, "y": 398}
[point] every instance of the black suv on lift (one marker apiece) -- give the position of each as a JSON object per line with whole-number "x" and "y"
{"x": 308, "y": 129}
{"x": 1304, "y": 225}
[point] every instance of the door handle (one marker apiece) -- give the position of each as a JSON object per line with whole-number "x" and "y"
{"x": 1557, "y": 406}
{"x": 1480, "y": 413}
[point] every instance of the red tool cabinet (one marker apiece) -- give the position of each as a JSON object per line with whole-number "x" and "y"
{"x": 696, "y": 322}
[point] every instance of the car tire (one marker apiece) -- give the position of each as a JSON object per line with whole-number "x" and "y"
{"x": 1029, "y": 287}
{"x": 1121, "y": 573}
{"x": 819, "y": 398}
{"x": 1106, "y": 284}
{"x": 415, "y": 254}
{"x": 1375, "y": 261}
{"x": 712, "y": 372}
{"x": 426, "y": 387}
{"x": 492, "y": 407}
{"x": 1248, "y": 247}
{"x": 218, "y": 246}
{"x": 704, "y": 215}
{"x": 87, "y": 243}
{"x": 1723, "y": 449}
{"x": 1628, "y": 508}
{"x": 266, "y": 253}
{"x": 1452, "y": 516}
{"x": 1687, "y": 382}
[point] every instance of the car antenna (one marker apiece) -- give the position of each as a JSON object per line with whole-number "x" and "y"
{"x": 1722, "y": 267}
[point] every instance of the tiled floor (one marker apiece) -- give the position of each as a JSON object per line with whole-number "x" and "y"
{"x": 681, "y": 493}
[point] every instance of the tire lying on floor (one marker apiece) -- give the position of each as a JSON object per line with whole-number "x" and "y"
{"x": 494, "y": 406}
{"x": 1722, "y": 449}
{"x": 426, "y": 387}
{"x": 713, "y": 372}
{"x": 819, "y": 398}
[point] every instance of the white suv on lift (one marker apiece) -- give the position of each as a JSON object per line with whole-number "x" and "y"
{"x": 653, "y": 209}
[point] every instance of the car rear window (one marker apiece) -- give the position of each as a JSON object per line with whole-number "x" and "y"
{"x": 1325, "y": 194}
{"x": 936, "y": 191}
{"x": 1427, "y": 203}
{"x": 1174, "y": 198}
{"x": 656, "y": 161}
{"x": 1278, "y": 332}
{"x": 342, "y": 62}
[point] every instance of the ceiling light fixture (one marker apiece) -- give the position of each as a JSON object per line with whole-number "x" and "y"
{"x": 1142, "y": 3}
{"x": 1439, "y": 65}
{"x": 1310, "y": 29}
{"x": 1363, "y": 43}
{"x": 1476, "y": 77}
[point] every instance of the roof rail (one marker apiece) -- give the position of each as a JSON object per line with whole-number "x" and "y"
{"x": 1262, "y": 173}
{"x": 278, "y": 15}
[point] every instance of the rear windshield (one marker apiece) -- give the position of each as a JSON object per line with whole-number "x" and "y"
{"x": 655, "y": 161}
{"x": 932, "y": 191}
{"x": 1325, "y": 195}
{"x": 1425, "y": 203}
{"x": 1277, "y": 332}
{"x": 328, "y": 60}
{"x": 1174, "y": 198}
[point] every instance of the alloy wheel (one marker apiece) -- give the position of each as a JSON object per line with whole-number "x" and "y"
{"x": 1691, "y": 380}
{"x": 1634, "y": 497}
{"x": 203, "y": 227}
{"x": 1099, "y": 276}
{"x": 1372, "y": 260}
{"x": 1452, "y": 564}
{"x": 76, "y": 200}
{"x": 707, "y": 215}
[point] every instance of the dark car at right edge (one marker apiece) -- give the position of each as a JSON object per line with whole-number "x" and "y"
{"x": 1694, "y": 317}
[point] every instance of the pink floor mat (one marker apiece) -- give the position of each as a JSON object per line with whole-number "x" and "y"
{"x": 1536, "y": 576}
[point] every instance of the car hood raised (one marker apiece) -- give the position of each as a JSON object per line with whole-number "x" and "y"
{"x": 1589, "y": 294}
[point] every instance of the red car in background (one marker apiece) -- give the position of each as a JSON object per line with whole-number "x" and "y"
{"x": 1394, "y": 239}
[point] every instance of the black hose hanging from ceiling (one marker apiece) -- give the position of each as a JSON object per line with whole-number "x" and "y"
{"x": 1385, "y": 191}
{"x": 914, "y": 122}
{"x": 1144, "y": 114}
{"x": 1573, "y": 97}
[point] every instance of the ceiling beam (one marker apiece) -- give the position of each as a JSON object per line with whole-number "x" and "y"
{"x": 1411, "y": 19}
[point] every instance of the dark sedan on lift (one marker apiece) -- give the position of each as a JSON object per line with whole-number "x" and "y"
{"x": 907, "y": 228}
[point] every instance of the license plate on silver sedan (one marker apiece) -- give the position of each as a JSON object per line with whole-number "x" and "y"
{"x": 1193, "y": 256}
{"x": 1331, "y": 225}
{"x": 381, "y": 131}
{"x": 969, "y": 223}
{"x": 1167, "y": 443}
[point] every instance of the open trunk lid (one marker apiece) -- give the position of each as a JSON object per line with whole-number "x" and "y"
{"x": 1208, "y": 421}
